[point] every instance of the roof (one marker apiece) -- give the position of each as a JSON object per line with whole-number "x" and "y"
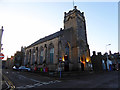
{"x": 46, "y": 38}
{"x": 49, "y": 37}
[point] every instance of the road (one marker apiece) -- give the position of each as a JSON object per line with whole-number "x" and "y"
{"x": 26, "y": 80}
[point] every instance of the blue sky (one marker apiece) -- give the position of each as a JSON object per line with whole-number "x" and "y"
{"x": 26, "y": 22}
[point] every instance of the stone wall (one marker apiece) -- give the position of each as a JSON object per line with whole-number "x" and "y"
{"x": 78, "y": 37}
{"x": 45, "y": 46}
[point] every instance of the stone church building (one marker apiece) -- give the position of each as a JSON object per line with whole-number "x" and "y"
{"x": 69, "y": 44}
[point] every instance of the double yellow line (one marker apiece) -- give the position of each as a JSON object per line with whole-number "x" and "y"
{"x": 9, "y": 82}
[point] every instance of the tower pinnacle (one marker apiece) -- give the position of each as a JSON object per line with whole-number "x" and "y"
{"x": 2, "y": 27}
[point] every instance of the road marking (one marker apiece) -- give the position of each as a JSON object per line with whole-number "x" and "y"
{"x": 9, "y": 82}
{"x": 7, "y": 85}
{"x": 21, "y": 76}
{"x": 34, "y": 80}
{"x": 38, "y": 84}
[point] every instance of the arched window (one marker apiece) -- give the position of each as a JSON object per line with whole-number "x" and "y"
{"x": 51, "y": 55}
{"x": 41, "y": 55}
{"x": 37, "y": 54}
{"x": 29, "y": 60}
{"x": 67, "y": 50}
{"x": 33, "y": 57}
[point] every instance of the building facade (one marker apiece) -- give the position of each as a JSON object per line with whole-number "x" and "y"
{"x": 9, "y": 62}
{"x": 70, "y": 44}
{"x": 19, "y": 57}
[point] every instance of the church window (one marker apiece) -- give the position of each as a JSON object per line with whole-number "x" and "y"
{"x": 67, "y": 50}
{"x": 41, "y": 56}
{"x": 33, "y": 58}
{"x": 51, "y": 55}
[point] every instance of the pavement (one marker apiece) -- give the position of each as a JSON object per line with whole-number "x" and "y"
{"x": 69, "y": 74}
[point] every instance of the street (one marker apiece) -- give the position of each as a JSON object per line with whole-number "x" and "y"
{"x": 26, "y": 80}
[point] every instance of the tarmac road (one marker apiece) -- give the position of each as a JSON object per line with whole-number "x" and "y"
{"x": 27, "y": 80}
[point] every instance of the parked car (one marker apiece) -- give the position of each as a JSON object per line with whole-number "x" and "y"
{"x": 23, "y": 68}
{"x": 15, "y": 68}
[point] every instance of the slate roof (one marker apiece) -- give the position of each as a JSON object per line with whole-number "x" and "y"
{"x": 49, "y": 37}
{"x": 52, "y": 36}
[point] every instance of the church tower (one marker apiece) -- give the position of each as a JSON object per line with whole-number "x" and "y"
{"x": 76, "y": 20}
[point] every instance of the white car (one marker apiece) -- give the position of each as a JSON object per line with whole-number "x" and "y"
{"x": 15, "y": 68}
{"x": 23, "y": 68}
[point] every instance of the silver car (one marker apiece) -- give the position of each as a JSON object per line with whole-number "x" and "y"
{"x": 23, "y": 68}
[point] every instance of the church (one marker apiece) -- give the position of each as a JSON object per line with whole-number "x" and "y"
{"x": 68, "y": 47}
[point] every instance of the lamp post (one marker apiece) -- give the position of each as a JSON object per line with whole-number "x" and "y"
{"x": 106, "y": 47}
{"x": 1, "y": 32}
{"x": 107, "y": 56}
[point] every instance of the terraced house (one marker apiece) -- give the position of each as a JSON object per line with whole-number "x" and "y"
{"x": 69, "y": 44}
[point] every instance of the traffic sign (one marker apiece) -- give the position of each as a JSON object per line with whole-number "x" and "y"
{"x": 1, "y": 55}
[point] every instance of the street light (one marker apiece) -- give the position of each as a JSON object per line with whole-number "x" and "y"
{"x": 106, "y": 47}
{"x": 1, "y": 32}
{"x": 107, "y": 57}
